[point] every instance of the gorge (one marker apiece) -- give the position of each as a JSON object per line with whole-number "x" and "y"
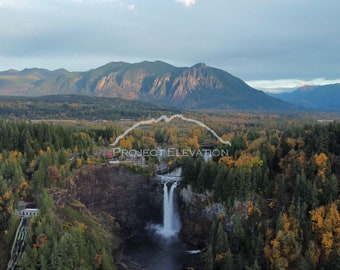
{"x": 147, "y": 225}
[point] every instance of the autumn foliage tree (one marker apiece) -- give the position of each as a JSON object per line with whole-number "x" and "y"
{"x": 326, "y": 227}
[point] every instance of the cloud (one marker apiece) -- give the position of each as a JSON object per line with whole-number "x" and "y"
{"x": 252, "y": 40}
{"x": 186, "y": 3}
{"x": 131, "y": 7}
{"x": 287, "y": 85}
{"x": 6, "y": 3}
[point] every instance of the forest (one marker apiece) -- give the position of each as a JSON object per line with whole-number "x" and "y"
{"x": 77, "y": 107}
{"x": 279, "y": 187}
{"x": 288, "y": 183}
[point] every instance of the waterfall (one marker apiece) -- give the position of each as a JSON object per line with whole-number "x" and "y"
{"x": 170, "y": 227}
{"x": 159, "y": 246}
{"x": 171, "y": 222}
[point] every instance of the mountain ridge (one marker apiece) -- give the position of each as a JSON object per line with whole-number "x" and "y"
{"x": 196, "y": 87}
{"x": 317, "y": 97}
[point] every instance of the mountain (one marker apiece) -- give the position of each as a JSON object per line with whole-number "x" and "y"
{"x": 21, "y": 83}
{"x": 196, "y": 87}
{"x": 325, "y": 97}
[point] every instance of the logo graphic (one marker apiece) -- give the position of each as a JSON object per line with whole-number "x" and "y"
{"x": 167, "y": 120}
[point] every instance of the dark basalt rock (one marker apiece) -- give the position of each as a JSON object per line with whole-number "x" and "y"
{"x": 132, "y": 199}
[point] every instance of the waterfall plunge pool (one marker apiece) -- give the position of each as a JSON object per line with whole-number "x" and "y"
{"x": 156, "y": 253}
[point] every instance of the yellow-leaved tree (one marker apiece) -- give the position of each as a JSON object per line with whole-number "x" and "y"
{"x": 326, "y": 228}
{"x": 284, "y": 250}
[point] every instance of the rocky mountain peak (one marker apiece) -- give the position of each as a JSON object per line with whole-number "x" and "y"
{"x": 196, "y": 87}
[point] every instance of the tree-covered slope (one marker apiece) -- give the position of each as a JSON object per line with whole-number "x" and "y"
{"x": 63, "y": 107}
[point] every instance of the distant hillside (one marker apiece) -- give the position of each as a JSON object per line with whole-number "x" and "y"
{"x": 197, "y": 87}
{"x": 326, "y": 97}
{"x": 74, "y": 107}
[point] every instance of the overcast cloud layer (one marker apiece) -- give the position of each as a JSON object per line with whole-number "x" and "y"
{"x": 256, "y": 40}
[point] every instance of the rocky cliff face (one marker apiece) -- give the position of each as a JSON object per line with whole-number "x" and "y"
{"x": 132, "y": 199}
{"x": 197, "y": 215}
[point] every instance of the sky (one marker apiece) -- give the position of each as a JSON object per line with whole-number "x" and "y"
{"x": 273, "y": 45}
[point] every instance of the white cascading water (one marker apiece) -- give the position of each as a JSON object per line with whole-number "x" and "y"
{"x": 171, "y": 222}
{"x": 170, "y": 227}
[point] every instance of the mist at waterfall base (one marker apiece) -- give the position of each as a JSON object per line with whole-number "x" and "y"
{"x": 157, "y": 246}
